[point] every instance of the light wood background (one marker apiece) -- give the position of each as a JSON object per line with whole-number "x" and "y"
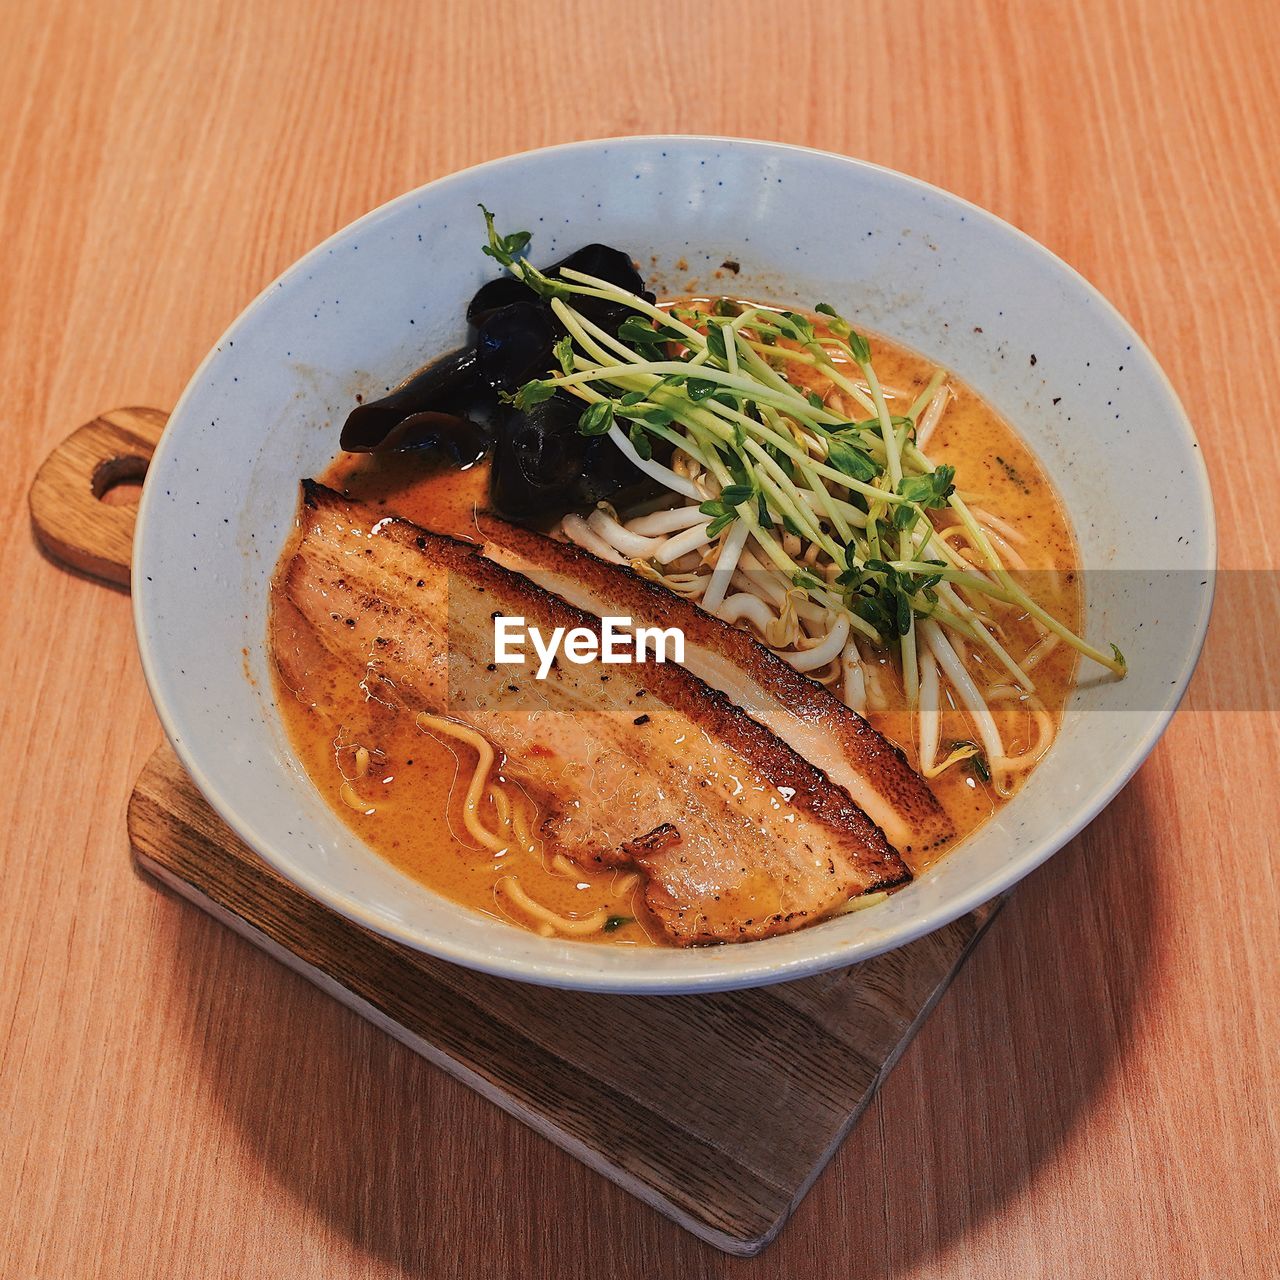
{"x": 1096, "y": 1096}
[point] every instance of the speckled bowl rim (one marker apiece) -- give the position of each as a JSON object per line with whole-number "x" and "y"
{"x": 698, "y": 975}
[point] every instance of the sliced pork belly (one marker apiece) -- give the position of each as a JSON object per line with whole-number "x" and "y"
{"x": 816, "y": 724}
{"x": 639, "y": 765}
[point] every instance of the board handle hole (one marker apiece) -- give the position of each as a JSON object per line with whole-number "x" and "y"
{"x": 118, "y": 481}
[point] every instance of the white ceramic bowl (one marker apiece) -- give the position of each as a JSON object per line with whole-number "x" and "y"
{"x": 384, "y": 295}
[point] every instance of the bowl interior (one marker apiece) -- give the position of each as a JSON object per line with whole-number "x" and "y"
{"x": 381, "y": 297}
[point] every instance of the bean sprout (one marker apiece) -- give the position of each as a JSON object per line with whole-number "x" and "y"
{"x": 932, "y": 415}
{"x": 604, "y": 525}
{"x": 745, "y": 607}
{"x": 962, "y": 683}
{"x": 680, "y": 544}
{"x": 726, "y": 563}
{"x": 827, "y": 650}
{"x": 576, "y": 529}
{"x": 855, "y": 681}
{"x": 672, "y": 520}
{"x": 819, "y": 533}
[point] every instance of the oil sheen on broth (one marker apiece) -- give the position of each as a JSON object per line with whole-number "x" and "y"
{"x": 403, "y": 793}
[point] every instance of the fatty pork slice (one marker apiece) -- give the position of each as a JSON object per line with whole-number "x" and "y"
{"x": 638, "y": 765}
{"x": 810, "y": 719}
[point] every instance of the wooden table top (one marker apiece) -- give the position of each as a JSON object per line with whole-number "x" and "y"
{"x": 1095, "y": 1095}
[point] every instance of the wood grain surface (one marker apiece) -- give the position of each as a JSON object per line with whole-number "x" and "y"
{"x": 1095, "y": 1096}
{"x": 675, "y": 1099}
{"x": 72, "y": 517}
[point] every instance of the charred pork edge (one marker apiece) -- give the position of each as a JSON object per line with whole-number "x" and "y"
{"x": 868, "y": 752}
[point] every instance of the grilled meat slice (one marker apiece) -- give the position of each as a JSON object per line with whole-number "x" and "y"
{"x": 800, "y": 711}
{"x": 638, "y": 765}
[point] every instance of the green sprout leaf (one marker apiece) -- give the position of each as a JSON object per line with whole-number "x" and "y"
{"x": 543, "y": 285}
{"x": 563, "y": 351}
{"x": 836, "y": 322}
{"x": 737, "y": 466}
{"x": 851, "y": 460}
{"x": 597, "y": 419}
{"x": 735, "y": 495}
{"x": 534, "y": 392}
{"x": 855, "y": 580}
{"x": 505, "y": 249}
{"x": 905, "y": 516}
{"x": 842, "y": 329}
{"x": 722, "y": 516}
{"x": 638, "y": 332}
{"x": 858, "y": 347}
{"x": 924, "y": 583}
{"x": 871, "y": 609}
{"x": 931, "y": 489}
{"x": 902, "y": 612}
{"x": 798, "y": 328}
{"x": 640, "y": 440}
{"x": 785, "y": 462}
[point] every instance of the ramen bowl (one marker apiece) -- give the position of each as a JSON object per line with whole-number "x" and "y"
{"x": 894, "y": 255}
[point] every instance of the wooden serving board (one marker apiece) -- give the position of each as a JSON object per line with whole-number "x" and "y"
{"x": 717, "y": 1110}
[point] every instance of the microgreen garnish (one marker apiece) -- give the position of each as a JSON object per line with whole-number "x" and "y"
{"x": 843, "y": 330}
{"x": 965, "y": 750}
{"x": 931, "y": 489}
{"x": 597, "y": 419}
{"x": 724, "y": 509}
{"x": 639, "y": 332}
{"x": 534, "y": 392}
{"x": 735, "y": 495}
{"x": 640, "y": 441}
{"x": 505, "y": 249}
{"x": 563, "y": 351}
{"x": 716, "y": 386}
{"x": 850, "y": 459}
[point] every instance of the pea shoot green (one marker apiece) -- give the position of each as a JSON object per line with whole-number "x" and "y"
{"x": 780, "y": 459}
